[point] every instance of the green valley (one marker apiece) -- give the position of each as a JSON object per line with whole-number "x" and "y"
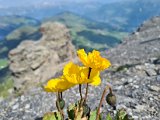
{"x": 3, "y": 63}
{"x": 89, "y": 34}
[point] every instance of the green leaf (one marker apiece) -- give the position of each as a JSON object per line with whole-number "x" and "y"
{"x": 52, "y": 116}
{"x": 109, "y": 117}
{"x": 122, "y": 115}
{"x": 70, "y": 111}
{"x": 71, "y": 114}
{"x": 86, "y": 110}
{"x": 93, "y": 115}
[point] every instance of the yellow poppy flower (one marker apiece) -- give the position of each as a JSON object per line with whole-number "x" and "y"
{"x": 79, "y": 75}
{"x": 57, "y": 85}
{"x": 93, "y": 60}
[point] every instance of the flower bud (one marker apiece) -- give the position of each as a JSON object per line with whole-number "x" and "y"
{"x": 61, "y": 103}
{"x": 111, "y": 100}
{"x": 86, "y": 110}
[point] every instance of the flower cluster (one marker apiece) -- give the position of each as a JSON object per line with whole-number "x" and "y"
{"x": 73, "y": 75}
{"x": 77, "y": 75}
{"x": 88, "y": 74}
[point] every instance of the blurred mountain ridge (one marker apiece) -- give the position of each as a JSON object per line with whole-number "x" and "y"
{"x": 122, "y": 15}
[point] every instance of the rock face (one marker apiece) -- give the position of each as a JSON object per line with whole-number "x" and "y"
{"x": 135, "y": 74}
{"x": 140, "y": 46}
{"x": 33, "y": 62}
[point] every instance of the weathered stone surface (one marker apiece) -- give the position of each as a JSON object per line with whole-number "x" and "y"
{"x": 33, "y": 62}
{"x": 139, "y": 81}
{"x": 157, "y": 61}
{"x": 151, "y": 72}
{"x": 154, "y": 88}
{"x": 140, "y": 46}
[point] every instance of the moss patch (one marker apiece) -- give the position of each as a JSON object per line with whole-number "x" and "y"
{"x": 3, "y": 63}
{"x": 5, "y": 86}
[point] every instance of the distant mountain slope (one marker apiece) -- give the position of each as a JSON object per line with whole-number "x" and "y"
{"x": 126, "y": 15}
{"x": 9, "y": 23}
{"x": 15, "y": 28}
{"x": 88, "y": 34}
{"x": 85, "y": 33}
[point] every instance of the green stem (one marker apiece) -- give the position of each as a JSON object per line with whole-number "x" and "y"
{"x": 80, "y": 92}
{"x": 58, "y": 105}
{"x": 101, "y": 101}
{"x": 110, "y": 90}
{"x": 61, "y": 95}
{"x": 89, "y": 73}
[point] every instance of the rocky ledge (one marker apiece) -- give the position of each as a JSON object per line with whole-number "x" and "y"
{"x": 134, "y": 76}
{"x": 31, "y": 61}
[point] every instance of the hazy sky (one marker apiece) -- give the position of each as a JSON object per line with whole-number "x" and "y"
{"x": 10, "y": 3}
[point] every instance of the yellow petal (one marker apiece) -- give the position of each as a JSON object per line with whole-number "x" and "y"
{"x": 82, "y": 56}
{"x": 57, "y": 85}
{"x": 105, "y": 63}
{"x": 96, "y": 81}
{"x": 71, "y": 78}
{"x": 94, "y": 73}
{"x": 64, "y": 85}
{"x": 71, "y": 68}
{"x": 72, "y": 73}
{"x": 51, "y": 86}
{"x": 93, "y": 60}
{"x": 94, "y": 78}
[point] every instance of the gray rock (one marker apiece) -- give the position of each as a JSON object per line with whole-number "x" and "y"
{"x": 118, "y": 88}
{"x": 16, "y": 106}
{"x": 141, "y": 108}
{"x": 158, "y": 71}
{"x": 136, "y": 86}
{"x": 151, "y": 72}
{"x": 157, "y": 61}
{"x": 152, "y": 60}
{"x": 158, "y": 78}
{"x": 37, "y": 61}
{"x": 135, "y": 117}
{"x": 27, "y": 106}
{"x": 154, "y": 88}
